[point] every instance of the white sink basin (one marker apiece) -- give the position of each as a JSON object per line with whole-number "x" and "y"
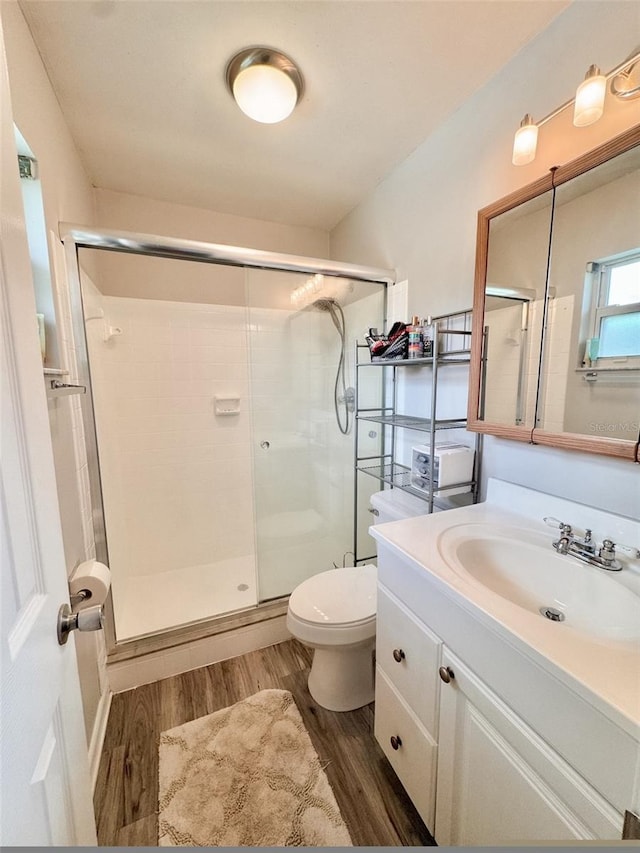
{"x": 520, "y": 565}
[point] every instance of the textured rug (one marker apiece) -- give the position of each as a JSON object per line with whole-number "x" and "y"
{"x": 246, "y": 776}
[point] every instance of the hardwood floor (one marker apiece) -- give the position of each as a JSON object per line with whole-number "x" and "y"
{"x": 373, "y": 803}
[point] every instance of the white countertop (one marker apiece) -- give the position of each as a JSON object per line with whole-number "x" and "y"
{"x": 604, "y": 672}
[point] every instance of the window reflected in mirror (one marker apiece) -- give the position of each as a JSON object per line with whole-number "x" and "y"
{"x": 590, "y": 381}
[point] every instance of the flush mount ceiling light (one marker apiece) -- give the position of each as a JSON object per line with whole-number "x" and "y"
{"x": 265, "y": 84}
{"x": 588, "y": 105}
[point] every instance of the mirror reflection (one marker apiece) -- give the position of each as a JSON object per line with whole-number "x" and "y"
{"x": 590, "y": 382}
{"x": 514, "y": 301}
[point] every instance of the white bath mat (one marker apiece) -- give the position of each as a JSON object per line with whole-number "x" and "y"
{"x": 247, "y": 775}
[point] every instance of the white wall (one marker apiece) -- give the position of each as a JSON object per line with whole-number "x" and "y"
{"x": 127, "y": 212}
{"x": 422, "y": 218}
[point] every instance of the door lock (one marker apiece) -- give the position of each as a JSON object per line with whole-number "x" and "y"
{"x": 89, "y": 619}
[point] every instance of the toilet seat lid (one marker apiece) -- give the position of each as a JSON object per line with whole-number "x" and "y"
{"x": 337, "y": 597}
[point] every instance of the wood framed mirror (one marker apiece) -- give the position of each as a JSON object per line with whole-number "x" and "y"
{"x": 556, "y": 314}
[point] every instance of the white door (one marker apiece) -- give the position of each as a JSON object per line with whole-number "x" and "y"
{"x": 45, "y": 795}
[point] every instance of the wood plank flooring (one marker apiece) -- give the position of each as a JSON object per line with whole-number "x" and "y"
{"x": 373, "y": 803}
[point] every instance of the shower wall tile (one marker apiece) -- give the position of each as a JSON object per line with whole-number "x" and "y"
{"x": 177, "y": 478}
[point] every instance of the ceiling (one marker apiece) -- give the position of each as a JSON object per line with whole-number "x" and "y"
{"x": 141, "y": 85}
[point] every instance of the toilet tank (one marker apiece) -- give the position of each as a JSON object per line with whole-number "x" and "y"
{"x": 395, "y": 504}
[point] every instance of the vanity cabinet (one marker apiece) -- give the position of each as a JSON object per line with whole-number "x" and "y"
{"x": 477, "y": 771}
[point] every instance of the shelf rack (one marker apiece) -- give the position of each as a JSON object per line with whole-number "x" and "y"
{"x": 447, "y": 332}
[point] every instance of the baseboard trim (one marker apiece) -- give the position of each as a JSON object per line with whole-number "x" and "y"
{"x": 128, "y": 674}
{"x": 98, "y": 735}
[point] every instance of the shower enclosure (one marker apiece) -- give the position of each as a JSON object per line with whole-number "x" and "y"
{"x": 218, "y": 420}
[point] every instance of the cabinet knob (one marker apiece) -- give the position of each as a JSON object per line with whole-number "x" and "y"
{"x": 396, "y": 742}
{"x": 398, "y": 655}
{"x": 446, "y": 674}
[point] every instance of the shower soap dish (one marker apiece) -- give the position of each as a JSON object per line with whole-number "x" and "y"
{"x": 227, "y": 405}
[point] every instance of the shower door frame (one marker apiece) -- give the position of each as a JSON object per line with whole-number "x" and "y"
{"x": 76, "y": 237}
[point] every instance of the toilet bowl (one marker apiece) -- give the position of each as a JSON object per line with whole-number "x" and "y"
{"x": 334, "y": 613}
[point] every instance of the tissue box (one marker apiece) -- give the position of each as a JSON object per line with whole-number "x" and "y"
{"x": 452, "y": 463}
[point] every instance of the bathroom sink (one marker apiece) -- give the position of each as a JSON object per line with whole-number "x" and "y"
{"x": 519, "y": 565}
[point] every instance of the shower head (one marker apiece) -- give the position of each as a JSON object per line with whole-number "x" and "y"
{"x": 324, "y": 304}
{"x": 332, "y": 306}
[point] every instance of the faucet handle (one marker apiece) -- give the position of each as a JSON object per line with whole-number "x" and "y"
{"x": 550, "y": 521}
{"x": 608, "y": 550}
{"x": 634, "y": 553}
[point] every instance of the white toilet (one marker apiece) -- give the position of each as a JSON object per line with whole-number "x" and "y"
{"x": 334, "y": 613}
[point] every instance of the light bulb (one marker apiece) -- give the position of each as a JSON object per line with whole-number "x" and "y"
{"x": 525, "y": 142}
{"x": 590, "y": 98}
{"x": 265, "y": 93}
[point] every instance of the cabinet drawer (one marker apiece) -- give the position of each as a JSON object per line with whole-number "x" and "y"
{"x": 414, "y": 760}
{"x": 415, "y": 674}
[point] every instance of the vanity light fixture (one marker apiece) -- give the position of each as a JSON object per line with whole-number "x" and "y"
{"x": 265, "y": 84}
{"x": 589, "y": 100}
{"x": 525, "y": 142}
{"x": 588, "y": 105}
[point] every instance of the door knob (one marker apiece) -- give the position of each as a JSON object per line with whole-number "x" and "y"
{"x": 398, "y": 655}
{"x": 396, "y": 743}
{"x": 89, "y": 619}
{"x": 446, "y": 674}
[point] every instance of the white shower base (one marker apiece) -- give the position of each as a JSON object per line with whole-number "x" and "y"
{"x": 145, "y": 604}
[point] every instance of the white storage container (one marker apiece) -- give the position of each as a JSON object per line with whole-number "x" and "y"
{"x": 453, "y": 463}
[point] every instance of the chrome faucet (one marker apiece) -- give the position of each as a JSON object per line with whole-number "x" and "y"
{"x": 584, "y": 547}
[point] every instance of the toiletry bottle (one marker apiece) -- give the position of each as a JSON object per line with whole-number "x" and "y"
{"x": 415, "y": 338}
{"x": 427, "y": 343}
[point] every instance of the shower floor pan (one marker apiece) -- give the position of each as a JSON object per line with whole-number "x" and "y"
{"x": 146, "y": 604}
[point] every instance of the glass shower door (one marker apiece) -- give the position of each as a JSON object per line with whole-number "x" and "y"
{"x": 302, "y": 458}
{"x": 168, "y": 357}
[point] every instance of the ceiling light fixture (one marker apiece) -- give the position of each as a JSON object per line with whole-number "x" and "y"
{"x": 265, "y": 84}
{"x": 588, "y": 105}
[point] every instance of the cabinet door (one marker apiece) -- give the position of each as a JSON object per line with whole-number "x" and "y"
{"x": 499, "y": 783}
{"x": 409, "y": 655}
{"x": 411, "y": 751}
